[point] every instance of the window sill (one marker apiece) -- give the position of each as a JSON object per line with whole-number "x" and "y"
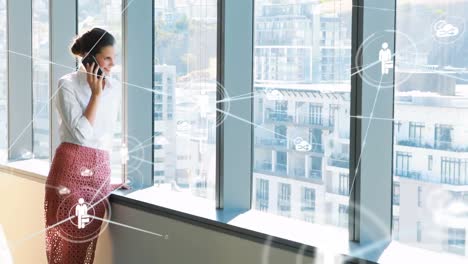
{"x": 33, "y": 169}
{"x": 253, "y": 225}
{"x": 267, "y": 228}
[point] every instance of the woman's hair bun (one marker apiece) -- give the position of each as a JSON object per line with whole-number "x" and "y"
{"x": 76, "y": 47}
{"x": 92, "y": 41}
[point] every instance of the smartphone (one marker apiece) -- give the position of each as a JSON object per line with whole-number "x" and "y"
{"x": 89, "y": 60}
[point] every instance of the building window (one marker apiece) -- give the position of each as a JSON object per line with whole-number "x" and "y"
{"x": 307, "y": 199}
{"x": 419, "y": 196}
{"x": 332, "y": 115}
{"x": 415, "y": 133}
{"x": 443, "y": 137}
{"x": 418, "y": 231}
{"x": 396, "y": 228}
{"x": 281, "y": 162}
{"x": 454, "y": 170}
{"x": 315, "y": 137}
{"x": 398, "y": 125}
{"x": 344, "y": 184}
{"x": 403, "y": 164}
{"x": 456, "y": 240}
{"x": 262, "y": 194}
{"x": 315, "y": 116}
{"x": 284, "y": 199}
{"x": 429, "y": 162}
{"x": 396, "y": 193}
{"x": 343, "y": 215}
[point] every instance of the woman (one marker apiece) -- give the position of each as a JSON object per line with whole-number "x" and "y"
{"x": 79, "y": 177}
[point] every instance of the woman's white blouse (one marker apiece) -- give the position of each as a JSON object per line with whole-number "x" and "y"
{"x": 72, "y": 98}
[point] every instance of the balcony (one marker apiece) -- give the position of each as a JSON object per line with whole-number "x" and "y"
{"x": 315, "y": 174}
{"x": 263, "y": 166}
{"x": 281, "y": 169}
{"x": 309, "y": 120}
{"x": 419, "y": 176}
{"x": 337, "y": 190}
{"x": 277, "y": 116}
{"x": 339, "y": 160}
{"x": 447, "y": 146}
{"x": 413, "y": 143}
{"x": 271, "y": 142}
{"x": 297, "y": 172}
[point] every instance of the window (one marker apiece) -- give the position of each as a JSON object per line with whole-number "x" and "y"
{"x": 185, "y": 75}
{"x": 343, "y": 215}
{"x": 281, "y": 162}
{"x": 284, "y": 199}
{"x": 40, "y": 65}
{"x": 396, "y": 193}
{"x": 396, "y": 228}
{"x": 415, "y": 133}
{"x": 308, "y": 204}
{"x": 262, "y": 194}
{"x": 315, "y": 114}
{"x": 303, "y": 71}
{"x": 344, "y": 184}
{"x": 332, "y": 115}
{"x": 454, "y": 171}
{"x": 3, "y": 83}
{"x": 418, "y": 231}
{"x": 429, "y": 162}
{"x": 403, "y": 164}
{"x": 419, "y": 196}
{"x": 427, "y": 97}
{"x": 443, "y": 137}
{"x": 456, "y": 240}
{"x": 107, "y": 14}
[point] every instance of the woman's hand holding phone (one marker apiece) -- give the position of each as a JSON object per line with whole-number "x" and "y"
{"x": 95, "y": 83}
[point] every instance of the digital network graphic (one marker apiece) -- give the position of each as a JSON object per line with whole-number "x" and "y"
{"x": 78, "y": 213}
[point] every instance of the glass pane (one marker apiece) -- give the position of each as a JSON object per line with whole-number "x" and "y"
{"x": 430, "y": 204}
{"x": 40, "y": 63}
{"x": 107, "y": 14}
{"x": 301, "y": 106}
{"x": 185, "y": 38}
{"x": 3, "y": 83}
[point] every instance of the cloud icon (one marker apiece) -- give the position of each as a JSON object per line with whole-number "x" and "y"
{"x": 62, "y": 190}
{"x": 274, "y": 95}
{"x": 85, "y": 172}
{"x": 302, "y": 145}
{"x": 443, "y": 29}
{"x": 183, "y": 126}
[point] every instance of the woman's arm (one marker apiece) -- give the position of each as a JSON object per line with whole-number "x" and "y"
{"x": 91, "y": 109}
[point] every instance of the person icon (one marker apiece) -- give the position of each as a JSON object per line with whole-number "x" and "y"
{"x": 385, "y": 58}
{"x": 81, "y": 211}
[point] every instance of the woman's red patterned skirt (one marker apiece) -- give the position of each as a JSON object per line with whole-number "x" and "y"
{"x": 76, "y": 203}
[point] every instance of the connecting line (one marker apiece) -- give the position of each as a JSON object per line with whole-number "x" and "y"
{"x": 127, "y": 226}
{"x": 365, "y": 136}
